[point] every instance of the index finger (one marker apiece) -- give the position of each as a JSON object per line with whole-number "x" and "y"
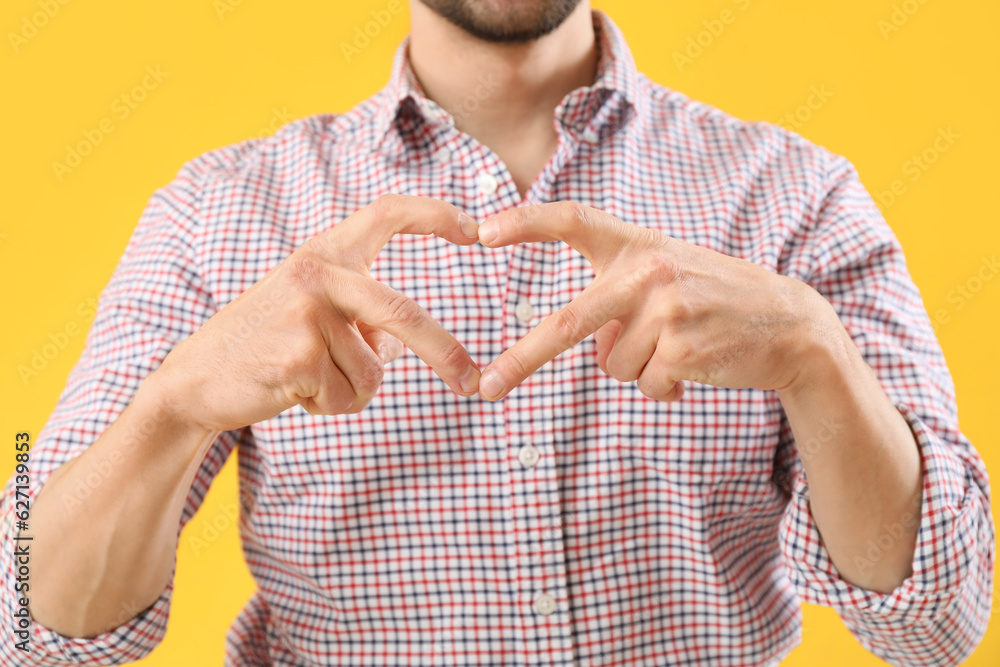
{"x": 380, "y": 306}
{"x": 364, "y": 233}
{"x": 594, "y": 307}
{"x": 596, "y": 235}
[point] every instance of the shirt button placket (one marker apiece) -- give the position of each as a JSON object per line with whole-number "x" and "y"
{"x": 547, "y": 629}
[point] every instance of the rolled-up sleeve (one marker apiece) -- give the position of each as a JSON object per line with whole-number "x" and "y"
{"x": 152, "y": 302}
{"x": 939, "y": 614}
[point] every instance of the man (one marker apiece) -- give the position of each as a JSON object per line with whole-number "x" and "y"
{"x": 761, "y": 416}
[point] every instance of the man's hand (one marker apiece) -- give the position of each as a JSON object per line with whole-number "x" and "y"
{"x": 318, "y": 329}
{"x": 663, "y": 310}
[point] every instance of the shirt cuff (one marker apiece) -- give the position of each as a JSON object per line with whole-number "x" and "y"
{"x": 950, "y": 561}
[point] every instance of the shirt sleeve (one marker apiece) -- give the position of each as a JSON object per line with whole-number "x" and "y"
{"x": 939, "y": 614}
{"x": 153, "y": 301}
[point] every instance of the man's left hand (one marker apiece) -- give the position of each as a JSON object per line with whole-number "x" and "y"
{"x": 663, "y": 310}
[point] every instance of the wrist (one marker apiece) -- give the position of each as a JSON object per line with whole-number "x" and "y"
{"x": 821, "y": 352}
{"x": 159, "y": 414}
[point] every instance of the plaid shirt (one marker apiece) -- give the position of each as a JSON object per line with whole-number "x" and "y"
{"x": 576, "y": 522}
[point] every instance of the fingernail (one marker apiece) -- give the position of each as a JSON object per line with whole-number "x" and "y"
{"x": 488, "y": 231}
{"x": 383, "y": 354}
{"x": 469, "y": 226}
{"x": 470, "y": 381}
{"x": 490, "y": 385}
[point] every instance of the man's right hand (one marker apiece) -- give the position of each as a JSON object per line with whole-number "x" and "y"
{"x": 318, "y": 330}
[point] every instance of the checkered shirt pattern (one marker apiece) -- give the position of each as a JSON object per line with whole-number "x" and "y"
{"x": 412, "y": 533}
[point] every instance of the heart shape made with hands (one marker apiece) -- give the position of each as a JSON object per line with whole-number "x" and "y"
{"x": 662, "y": 310}
{"x": 624, "y": 256}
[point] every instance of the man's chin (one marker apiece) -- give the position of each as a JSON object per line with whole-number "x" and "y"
{"x": 505, "y": 21}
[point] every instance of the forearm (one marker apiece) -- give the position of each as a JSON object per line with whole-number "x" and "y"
{"x": 105, "y": 523}
{"x": 862, "y": 464}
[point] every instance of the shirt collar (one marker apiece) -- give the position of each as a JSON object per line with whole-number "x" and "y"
{"x": 590, "y": 113}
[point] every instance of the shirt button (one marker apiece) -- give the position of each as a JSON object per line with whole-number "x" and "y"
{"x": 442, "y": 155}
{"x": 590, "y": 136}
{"x": 524, "y": 312}
{"x": 487, "y": 183}
{"x": 528, "y": 456}
{"x": 545, "y": 604}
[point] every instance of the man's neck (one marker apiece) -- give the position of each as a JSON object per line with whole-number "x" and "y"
{"x": 504, "y": 95}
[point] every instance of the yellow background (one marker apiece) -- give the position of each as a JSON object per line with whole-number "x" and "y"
{"x": 235, "y": 68}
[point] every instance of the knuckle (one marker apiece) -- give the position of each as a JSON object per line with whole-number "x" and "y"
{"x": 677, "y": 312}
{"x": 567, "y": 325}
{"x": 574, "y": 210}
{"x": 401, "y": 312}
{"x": 385, "y": 206}
{"x": 658, "y": 268}
{"x": 314, "y": 245}
{"x": 453, "y": 354}
{"x": 297, "y": 359}
{"x": 305, "y": 269}
{"x": 368, "y": 379}
{"x": 573, "y": 214}
{"x": 304, "y": 310}
{"x": 684, "y": 354}
{"x": 517, "y": 363}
